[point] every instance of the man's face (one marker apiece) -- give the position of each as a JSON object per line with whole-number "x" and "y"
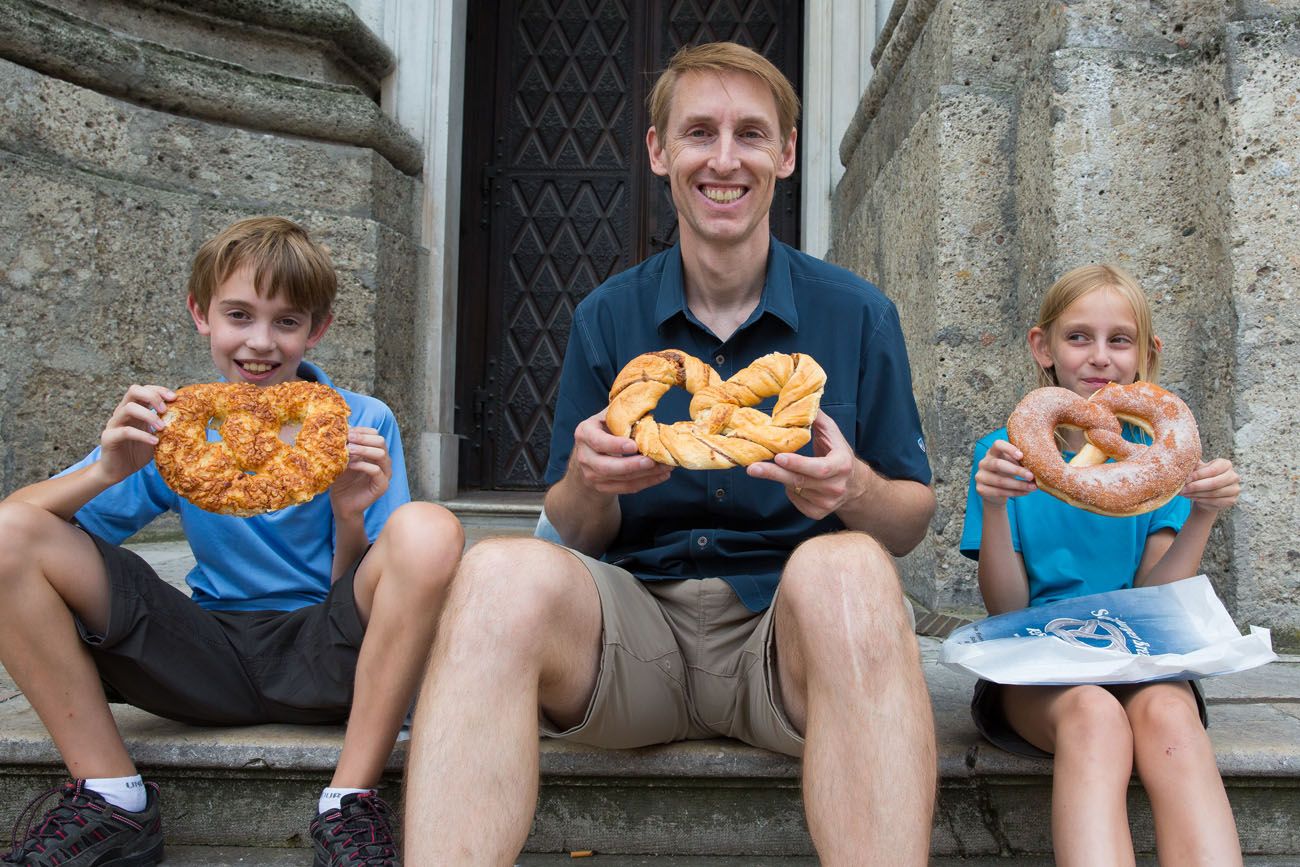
{"x": 253, "y": 338}
{"x": 722, "y": 154}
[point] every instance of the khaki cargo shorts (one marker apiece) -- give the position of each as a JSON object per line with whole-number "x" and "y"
{"x": 681, "y": 660}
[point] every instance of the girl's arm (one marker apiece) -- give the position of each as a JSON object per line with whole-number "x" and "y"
{"x": 1002, "y": 578}
{"x": 1212, "y": 488}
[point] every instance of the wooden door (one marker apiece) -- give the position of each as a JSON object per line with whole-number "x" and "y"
{"x": 557, "y": 193}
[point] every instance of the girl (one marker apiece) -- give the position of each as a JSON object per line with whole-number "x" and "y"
{"x": 1094, "y": 327}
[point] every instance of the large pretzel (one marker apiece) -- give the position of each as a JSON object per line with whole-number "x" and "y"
{"x": 250, "y": 470}
{"x": 1142, "y": 478}
{"x": 724, "y": 430}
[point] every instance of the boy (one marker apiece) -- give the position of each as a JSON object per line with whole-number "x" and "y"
{"x": 338, "y": 627}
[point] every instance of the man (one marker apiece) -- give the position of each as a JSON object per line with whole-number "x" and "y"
{"x": 659, "y": 621}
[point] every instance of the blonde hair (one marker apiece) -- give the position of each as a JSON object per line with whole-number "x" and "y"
{"x": 1077, "y": 283}
{"x": 284, "y": 260}
{"x": 720, "y": 57}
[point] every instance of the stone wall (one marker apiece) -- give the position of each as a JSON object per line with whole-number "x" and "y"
{"x": 132, "y": 131}
{"x": 1001, "y": 144}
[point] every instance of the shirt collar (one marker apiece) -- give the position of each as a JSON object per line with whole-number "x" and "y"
{"x": 778, "y": 290}
{"x": 312, "y": 373}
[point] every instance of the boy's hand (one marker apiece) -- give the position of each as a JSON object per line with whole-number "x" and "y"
{"x": 1213, "y": 486}
{"x": 1001, "y": 476}
{"x": 366, "y": 477}
{"x": 128, "y": 440}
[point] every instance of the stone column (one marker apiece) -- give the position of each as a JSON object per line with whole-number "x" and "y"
{"x": 130, "y": 133}
{"x": 1007, "y": 143}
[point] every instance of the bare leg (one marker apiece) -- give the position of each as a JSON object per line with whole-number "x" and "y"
{"x": 1175, "y": 761}
{"x": 521, "y": 631}
{"x": 50, "y": 570}
{"x": 400, "y": 589}
{"x": 851, "y": 680}
{"x": 1087, "y": 729}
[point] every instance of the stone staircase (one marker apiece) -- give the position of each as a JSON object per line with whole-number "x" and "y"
{"x": 244, "y": 795}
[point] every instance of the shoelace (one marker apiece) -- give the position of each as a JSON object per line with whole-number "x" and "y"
{"x": 365, "y": 831}
{"x": 67, "y": 813}
{"x": 28, "y": 816}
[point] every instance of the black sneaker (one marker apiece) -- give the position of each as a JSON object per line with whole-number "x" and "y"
{"x": 359, "y": 831}
{"x": 84, "y": 830}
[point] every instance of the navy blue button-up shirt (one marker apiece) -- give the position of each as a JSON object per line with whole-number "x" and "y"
{"x": 722, "y": 523}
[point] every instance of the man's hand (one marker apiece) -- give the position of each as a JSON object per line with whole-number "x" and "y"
{"x": 609, "y": 464}
{"x": 365, "y": 479}
{"x": 823, "y": 483}
{"x": 128, "y": 440}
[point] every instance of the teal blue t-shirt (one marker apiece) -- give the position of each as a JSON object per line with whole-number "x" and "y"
{"x": 1069, "y": 551}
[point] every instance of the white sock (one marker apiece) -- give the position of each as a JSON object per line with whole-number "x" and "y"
{"x": 330, "y": 798}
{"x": 126, "y": 792}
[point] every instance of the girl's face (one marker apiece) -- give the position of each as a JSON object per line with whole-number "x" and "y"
{"x": 1093, "y": 342}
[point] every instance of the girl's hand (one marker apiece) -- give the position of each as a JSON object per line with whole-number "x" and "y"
{"x": 1213, "y": 486}
{"x": 130, "y": 435}
{"x": 1000, "y": 475}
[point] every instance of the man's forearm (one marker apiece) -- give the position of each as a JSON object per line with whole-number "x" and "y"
{"x": 586, "y": 520}
{"x": 895, "y": 511}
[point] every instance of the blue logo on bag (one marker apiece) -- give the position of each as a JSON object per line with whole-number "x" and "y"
{"x": 1102, "y": 631}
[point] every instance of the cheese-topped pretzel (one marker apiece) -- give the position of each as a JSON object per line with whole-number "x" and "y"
{"x": 724, "y": 430}
{"x": 250, "y": 470}
{"x": 1141, "y": 478}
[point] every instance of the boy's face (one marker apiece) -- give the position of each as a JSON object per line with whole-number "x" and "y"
{"x": 255, "y": 339}
{"x": 722, "y": 154}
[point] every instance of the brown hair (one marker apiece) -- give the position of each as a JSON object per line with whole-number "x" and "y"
{"x": 1073, "y": 285}
{"x": 720, "y": 57}
{"x": 283, "y": 258}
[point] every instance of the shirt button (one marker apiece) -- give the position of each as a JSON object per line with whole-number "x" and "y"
{"x": 703, "y": 541}
{"x": 720, "y": 493}
{"x": 720, "y": 358}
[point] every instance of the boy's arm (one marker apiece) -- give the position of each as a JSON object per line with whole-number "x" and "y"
{"x": 362, "y": 483}
{"x": 126, "y": 445}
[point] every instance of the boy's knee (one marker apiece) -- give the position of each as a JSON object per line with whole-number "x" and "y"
{"x": 23, "y": 528}
{"x": 419, "y": 532}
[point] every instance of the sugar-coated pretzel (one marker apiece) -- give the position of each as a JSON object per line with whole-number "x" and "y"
{"x": 251, "y": 470}
{"x": 724, "y": 430}
{"x": 1140, "y": 479}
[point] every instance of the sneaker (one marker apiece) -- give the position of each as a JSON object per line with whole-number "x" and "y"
{"x": 84, "y": 830}
{"x": 359, "y": 831}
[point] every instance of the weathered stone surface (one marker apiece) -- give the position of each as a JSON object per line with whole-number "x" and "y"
{"x": 106, "y": 203}
{"x": 1015, "y": 143}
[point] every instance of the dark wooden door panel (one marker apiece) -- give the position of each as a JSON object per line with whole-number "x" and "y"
{"x": 558, "y": 194}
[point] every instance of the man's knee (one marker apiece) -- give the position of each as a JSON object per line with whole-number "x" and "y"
{"x": 511, "y": 589}
{"x": 845, "y": 584}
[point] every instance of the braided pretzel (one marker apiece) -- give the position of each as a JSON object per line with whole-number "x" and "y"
{"x": 724, "y": 431}
{"x": 1141, "y": 479}
{"x": 250, "y": 470}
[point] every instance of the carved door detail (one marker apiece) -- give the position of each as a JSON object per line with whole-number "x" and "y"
{"x": 557, "y": 194}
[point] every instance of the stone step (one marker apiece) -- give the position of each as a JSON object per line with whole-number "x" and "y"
{"x": 212, "y": 856}
{"x": 256, "y": 786}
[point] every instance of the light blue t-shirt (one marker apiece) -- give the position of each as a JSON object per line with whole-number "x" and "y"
{"x": 277, "y": 561}
{"x": 1069, "y": 551}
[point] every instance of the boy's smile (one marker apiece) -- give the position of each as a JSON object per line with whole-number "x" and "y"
{"x": 255, "y": 338}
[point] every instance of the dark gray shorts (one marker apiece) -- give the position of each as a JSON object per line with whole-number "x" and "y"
{"x": 986, "y": 710}
{"x": 165, "y": 654}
